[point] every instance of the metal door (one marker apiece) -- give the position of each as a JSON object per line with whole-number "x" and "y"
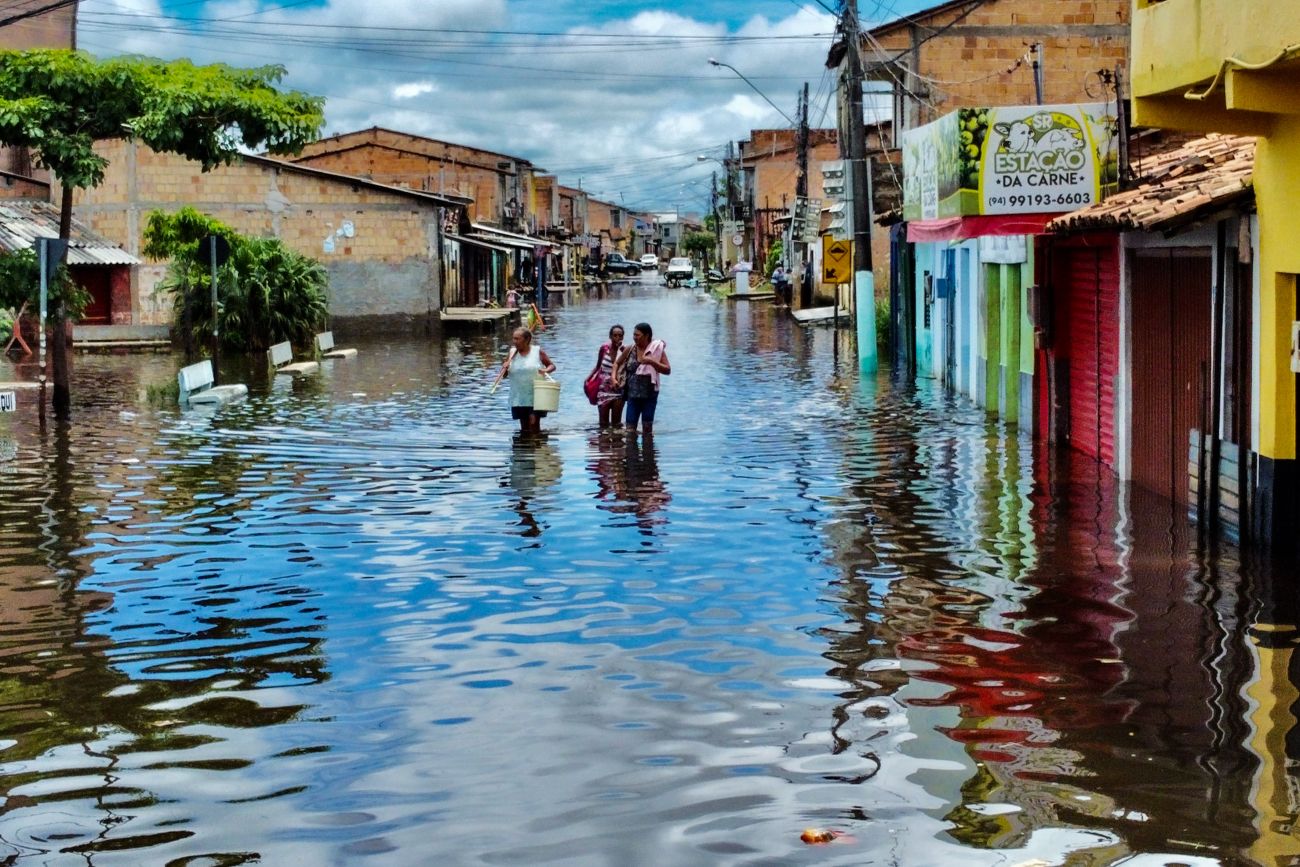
{"x": 1171, "y": 354}
{"x": 1089, "y": 280}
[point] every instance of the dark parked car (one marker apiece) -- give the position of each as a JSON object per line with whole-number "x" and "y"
{"x": 616, "y": 264}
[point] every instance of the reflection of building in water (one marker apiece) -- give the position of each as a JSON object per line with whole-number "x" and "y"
{"x": 1273, "y": 730}
{"x": 534, "y": 466}
{"x": 1093, "y": 673}
{"x": 627, "y": 480}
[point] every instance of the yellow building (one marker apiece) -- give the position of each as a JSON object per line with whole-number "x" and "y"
{"x": 1234, "y": 66}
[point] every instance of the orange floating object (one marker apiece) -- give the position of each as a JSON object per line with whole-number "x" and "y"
{"x": 814, "y": 836}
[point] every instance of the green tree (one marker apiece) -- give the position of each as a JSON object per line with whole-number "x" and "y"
{"x": 269, "y": 293}
{"x": 700, "y": 243}
{"x": 59, "y": 103}
{"x": 774, "y": 254}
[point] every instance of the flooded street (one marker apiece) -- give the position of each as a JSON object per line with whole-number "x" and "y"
{"x": 355, "y": 617}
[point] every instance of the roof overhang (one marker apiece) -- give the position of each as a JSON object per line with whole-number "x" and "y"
{"x": 475, "y": 242}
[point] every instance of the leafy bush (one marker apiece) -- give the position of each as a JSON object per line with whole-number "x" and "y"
{"x": 774, "y": 255}
{"x": 20, "y": 280}
{"x": 267, "y": 293}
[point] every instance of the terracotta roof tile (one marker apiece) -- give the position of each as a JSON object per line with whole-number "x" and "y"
{"x": 1180, "y": 186}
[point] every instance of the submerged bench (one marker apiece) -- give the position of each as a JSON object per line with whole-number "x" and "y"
{"x": 196, "y": 386}
{"x": 281, "y": 355}
{"x": 325, "y": 344}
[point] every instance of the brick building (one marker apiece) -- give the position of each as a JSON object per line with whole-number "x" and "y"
{"x": 960, "y": 289}
{"x": 615, "y": 227}
{"x": 980, "y": 52}
{"x": 560, "y": 211}
{"x": 500, "y": 185}
{"x": 382, "y": 246}
{"x": 50, "y": 28}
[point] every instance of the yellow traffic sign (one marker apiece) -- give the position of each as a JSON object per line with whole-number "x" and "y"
{"x": 837, "y": 260}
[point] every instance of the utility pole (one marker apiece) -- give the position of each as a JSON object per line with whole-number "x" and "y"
{"x": 860, "y": 171}
{"x": 732, "y": 197}
{"x": 801, "y": 142}
{"x": 717, "y": 221}
{"x": 1038, "y": 72}
{"x": 798, "y": 252}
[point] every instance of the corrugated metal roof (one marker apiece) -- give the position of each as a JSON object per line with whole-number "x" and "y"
{"x": 1203, "y": 177}
{"x": 21, "y": 223}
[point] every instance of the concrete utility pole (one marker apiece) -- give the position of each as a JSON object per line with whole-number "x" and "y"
{"x": 798, "y": 250}
{"x": 801, "y": 142}
{"x": 863, "y": 276}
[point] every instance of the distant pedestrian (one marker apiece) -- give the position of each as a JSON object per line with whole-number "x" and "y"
{"x": 523, "y": 365}
{"x": 781, "y": 284}
{"x": 639, "y": 367}
{"x": 609, "y": 393}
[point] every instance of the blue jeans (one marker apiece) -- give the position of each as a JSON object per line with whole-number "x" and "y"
{"x": 642, "y": 409}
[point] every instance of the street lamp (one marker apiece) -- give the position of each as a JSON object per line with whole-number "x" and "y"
{"x": 754, "y": 88}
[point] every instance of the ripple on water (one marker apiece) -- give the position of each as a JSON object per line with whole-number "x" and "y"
{"x": 350, "y": 620}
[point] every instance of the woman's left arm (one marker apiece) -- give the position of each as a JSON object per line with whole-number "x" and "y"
{"x": 548, "y": 366}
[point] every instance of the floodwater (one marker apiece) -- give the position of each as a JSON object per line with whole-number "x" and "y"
{"x": 354, "y": 619}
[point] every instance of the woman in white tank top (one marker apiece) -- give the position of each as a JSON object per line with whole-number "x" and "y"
{"x": 523, "y": 365}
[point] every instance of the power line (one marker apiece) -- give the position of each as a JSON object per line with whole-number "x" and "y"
{"x": 530, "y": 34}
{"x": 32, "y": 13}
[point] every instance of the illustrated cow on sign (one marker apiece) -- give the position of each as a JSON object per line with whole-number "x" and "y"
{"x": 1019, "y": 137}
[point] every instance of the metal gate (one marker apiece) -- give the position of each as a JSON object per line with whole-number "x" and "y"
{"x": 1087, "y": 283}
{"x": 1171, "y": 358}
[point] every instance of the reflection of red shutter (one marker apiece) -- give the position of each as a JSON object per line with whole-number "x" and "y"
{"x": 1091, "y": 284}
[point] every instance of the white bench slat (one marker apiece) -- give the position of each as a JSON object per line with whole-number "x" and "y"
{"x": 325, "y": 344}
{"x": 280, "y": 353}
{"x": 297, "y": 368}
{"x": 196, "y": 377}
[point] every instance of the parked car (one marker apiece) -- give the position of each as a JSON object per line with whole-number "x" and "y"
{"x": 650, "y": 260}
{"x": 616, "y": 264}
{"x": 680, "y": 269}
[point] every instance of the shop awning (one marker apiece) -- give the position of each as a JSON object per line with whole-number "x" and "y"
{"x": 964, "y": 228}
{"x": 474, "y": 242}
{"x": 509, "y": 239}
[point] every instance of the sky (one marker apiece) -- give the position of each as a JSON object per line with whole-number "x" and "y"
{"x": 617, "y": 97}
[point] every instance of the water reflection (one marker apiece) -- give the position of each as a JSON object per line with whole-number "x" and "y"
{"x": 626, "y": 471}
{"x": 534, "y": 466}
{"x": 353, "y": 615}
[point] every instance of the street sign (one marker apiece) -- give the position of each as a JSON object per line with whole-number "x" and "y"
{"x": 214, "y": 245}
{"x": 8, "y": 401}
{"x": 53, "y": 250}
{"x": 837, "y": 260}
{"x": 737, "y": 239}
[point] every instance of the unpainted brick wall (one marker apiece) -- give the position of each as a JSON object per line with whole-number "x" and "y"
{"x": 959, "y": 67}
{"x": 390, "y": 265}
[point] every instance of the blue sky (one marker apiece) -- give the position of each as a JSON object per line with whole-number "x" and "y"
{"x": 616, "y": 95}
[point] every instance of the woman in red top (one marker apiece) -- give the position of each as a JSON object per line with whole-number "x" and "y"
{"x": 609, "y": 397}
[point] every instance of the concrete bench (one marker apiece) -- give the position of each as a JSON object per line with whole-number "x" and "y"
{"x": 197, "y": 388}
{"x": 325, "y": 344}
{"x": 281, "y": 356}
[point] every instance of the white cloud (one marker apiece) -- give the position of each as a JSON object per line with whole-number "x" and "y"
{"x": 625, "y": 115}
{"x": 413, "y": 89}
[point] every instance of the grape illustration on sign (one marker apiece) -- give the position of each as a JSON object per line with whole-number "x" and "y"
{"x": 1011, "y": 160}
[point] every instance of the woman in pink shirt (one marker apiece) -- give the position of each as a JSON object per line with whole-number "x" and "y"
{"x": 639, "y": 367}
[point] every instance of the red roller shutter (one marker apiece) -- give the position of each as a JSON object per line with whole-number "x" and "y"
{"x": 1091, "y": 288}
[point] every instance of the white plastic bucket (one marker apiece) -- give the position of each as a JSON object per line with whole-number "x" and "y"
{"x": 546, "y": 395}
